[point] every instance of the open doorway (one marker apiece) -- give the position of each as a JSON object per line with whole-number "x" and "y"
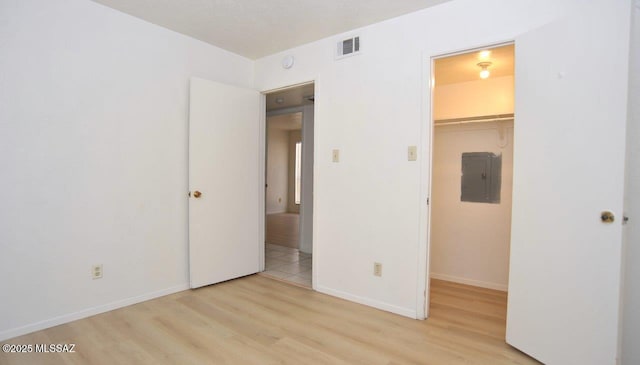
{"x": 289, "y": 184}
{"x": 471, "y": 184}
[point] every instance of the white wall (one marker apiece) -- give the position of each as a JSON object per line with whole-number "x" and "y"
{"x": 369, "y": 207}
{"x": 631, "y": 293}
{"x": 470, "y": 241}
{"x": 306, "y": 206}
{"x": 93, "y": 152}
{"x": 474, "y": 98}
{"x": 277, "y": 169}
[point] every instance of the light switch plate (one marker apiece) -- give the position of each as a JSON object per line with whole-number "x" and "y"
{"x": 336, "y": 155}
{"x": 412, "y": 153}
{"x": 377, "y": 269}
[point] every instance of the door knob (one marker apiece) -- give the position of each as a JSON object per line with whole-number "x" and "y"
{"x": 607, "y": 217}
{"x": 197, "y": 194}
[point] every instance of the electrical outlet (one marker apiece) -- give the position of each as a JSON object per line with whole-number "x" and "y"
{"x": 377, "y": 269}
{"x": 336, "y": 155}
{"x": 96, "y": 271}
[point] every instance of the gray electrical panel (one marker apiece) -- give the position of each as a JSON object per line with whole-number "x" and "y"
{"x": 481, "y": 177}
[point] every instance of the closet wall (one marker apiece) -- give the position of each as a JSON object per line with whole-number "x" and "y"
{"x": 470, "y": 241}
{"x": 277, "y": 167}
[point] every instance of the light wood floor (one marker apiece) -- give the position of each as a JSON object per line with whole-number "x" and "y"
{"x": 258, "y": 320}
{"x": 283, "y": 229}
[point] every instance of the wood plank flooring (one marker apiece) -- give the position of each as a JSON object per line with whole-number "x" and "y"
{"x": 258, "y": 320}
{"x": 283, "y": 229}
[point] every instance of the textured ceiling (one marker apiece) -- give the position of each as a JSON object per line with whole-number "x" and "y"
{"x": 257, "y": 28}
{"x": 464, "y": 67}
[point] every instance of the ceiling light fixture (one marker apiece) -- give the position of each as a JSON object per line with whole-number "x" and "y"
{"x": 279, "y": 100}
{"x": 484, "y": 73}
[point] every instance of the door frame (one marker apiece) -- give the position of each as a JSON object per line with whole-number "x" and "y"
{"x": 262, "y": 148}
{"x": 263, "y": 158}
{"x": 426, "y": 166}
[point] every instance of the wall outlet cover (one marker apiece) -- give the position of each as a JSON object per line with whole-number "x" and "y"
{"x": 96, "y": 271}
{"x": 335, "y": 155}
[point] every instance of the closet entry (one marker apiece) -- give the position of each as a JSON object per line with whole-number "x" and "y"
{"x": 471, "y": 183}
{"x": 473, "y": 105}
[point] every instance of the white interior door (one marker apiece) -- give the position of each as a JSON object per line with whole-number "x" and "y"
{"x": 569, "y": 156}
{"x": 225, "y": 169}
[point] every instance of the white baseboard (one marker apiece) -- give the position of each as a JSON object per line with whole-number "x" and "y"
{"x": 459, "y": 280}
{"x": 368, "y": 302}
{"x": 66, "y": 318}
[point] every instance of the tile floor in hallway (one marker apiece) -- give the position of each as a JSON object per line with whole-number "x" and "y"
{"x": 288, "y": 264}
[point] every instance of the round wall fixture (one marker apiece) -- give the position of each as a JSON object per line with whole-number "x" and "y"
{"x": 287, "y": 62}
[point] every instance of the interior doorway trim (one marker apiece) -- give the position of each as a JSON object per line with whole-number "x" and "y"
{"x": 288, "y": 86}
{"x": 426, "y": 166}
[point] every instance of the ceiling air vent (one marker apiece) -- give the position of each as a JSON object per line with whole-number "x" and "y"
{"x": 348, "y": 47}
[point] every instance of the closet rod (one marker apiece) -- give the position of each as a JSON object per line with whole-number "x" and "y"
{"x": 478, "y": 119}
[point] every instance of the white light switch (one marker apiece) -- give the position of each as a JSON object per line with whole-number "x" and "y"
{"x": 377, "y": 269}
{"x": 336, "y": 155}
{"x": 413, "y": 153}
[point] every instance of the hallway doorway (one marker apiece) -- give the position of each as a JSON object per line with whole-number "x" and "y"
{"x": 289, "y": 184}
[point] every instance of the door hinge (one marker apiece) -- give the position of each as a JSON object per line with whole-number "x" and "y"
{"x": 427, "y": 201}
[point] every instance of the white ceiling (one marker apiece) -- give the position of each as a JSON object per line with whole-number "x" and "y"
{"x": 257, "y": 28}
{"x": 464, "y": 67}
